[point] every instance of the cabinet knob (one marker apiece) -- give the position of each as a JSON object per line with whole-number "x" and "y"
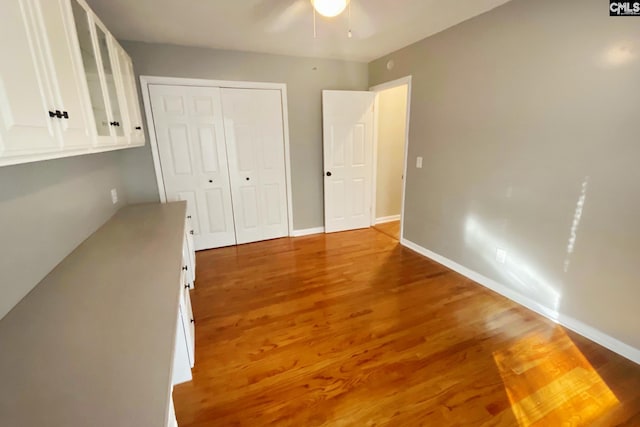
{"x": 65, "y": 115}
{"x": 191, "y": 232}
{"x": 187, "y": 286}
{"x": 185, "y": 268}
{"x": 193, "y": 320}
{"x": 210, "y": 181}
{"x": 248, "y": 179}
{"x": 138, "y": 128}
{"x": 328, "y": 173}
{"x": 189, "y": 216}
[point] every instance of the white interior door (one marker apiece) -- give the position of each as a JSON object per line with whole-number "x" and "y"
{"x": 191, "y": 146}
{"x": 254, "y": 133}
{"x": 348, "y": 159}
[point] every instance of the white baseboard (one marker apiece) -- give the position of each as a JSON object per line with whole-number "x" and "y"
{"x": 569, "y": 322}
{"x": 384, "y": 219}
{"x": 307, "y": 232}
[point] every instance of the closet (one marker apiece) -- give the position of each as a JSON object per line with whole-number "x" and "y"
{"x": 222, "y": 150}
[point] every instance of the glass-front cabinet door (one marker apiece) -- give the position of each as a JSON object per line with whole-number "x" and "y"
{"x": 112, "y": 83}
{"x": 100, "y": 65}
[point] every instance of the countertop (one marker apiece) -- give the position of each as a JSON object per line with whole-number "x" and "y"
{"x": 92, "y": 344}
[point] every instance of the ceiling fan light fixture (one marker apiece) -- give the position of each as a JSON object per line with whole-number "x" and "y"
{"x": 329, "y": 8}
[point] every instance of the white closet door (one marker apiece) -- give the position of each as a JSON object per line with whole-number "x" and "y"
{"x": 255, "y": 145}
{"x": 348, "y": 159}
{"x": 191, "y": 147}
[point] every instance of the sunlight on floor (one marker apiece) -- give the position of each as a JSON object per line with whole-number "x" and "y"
{"x": 550, "y": 382}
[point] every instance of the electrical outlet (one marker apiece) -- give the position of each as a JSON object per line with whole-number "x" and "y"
{"x": 501, "y": 255}
{"x": 419, "y": 162}
{"x": 114, "y": 196}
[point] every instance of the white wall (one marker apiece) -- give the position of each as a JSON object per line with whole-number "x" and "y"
{"x": 392, "y": 119}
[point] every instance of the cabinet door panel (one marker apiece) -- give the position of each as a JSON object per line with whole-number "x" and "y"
{"x": 134, "y": 117}
{"x": 110, "y": 80}
{"x": 66, "y": 74}
{"x": 92, "y": 76}
{"x": 25, "y": 91}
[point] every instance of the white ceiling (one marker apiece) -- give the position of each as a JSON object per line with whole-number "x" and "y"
{"x": 286, "y": 26}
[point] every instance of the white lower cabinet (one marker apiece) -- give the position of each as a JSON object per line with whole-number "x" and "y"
{"x": 184, "y": 356}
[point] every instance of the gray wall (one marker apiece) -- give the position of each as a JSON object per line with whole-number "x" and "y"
{"x": 46, "y": 210}
{"x": 527, "y": 119}
{"x": 304, "y": 86}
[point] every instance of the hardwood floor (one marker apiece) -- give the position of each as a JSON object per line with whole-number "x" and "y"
{"x": 351, "y": 329}
{"x": 391, "y": 229}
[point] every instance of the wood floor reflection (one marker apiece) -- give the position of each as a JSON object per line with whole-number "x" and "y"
{"x": 351, "y": 329}
{"x": 391, "y": 229}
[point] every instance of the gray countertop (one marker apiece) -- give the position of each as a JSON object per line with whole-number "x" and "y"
{"x": 92, "y": 344}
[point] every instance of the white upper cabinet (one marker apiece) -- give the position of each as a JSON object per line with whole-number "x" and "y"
{"x": 63, "y": 91}
{"x": 133, "y": 121}
{"x": 41, "y": 106}
{"x": 102, "y": 76}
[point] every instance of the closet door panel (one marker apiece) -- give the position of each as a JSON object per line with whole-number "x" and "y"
{"x": 255, "y": 147}
{"x": 190, "y": 135}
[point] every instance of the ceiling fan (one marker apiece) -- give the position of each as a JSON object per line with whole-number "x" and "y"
{"x": 281, "y": 15}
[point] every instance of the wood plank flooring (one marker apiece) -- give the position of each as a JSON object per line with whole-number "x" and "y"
{"x": 391, "y": 229}
{"x": 351, "y": 329}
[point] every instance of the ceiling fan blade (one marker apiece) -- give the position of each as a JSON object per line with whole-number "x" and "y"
{"x": 362, "y": 25}
{"x": 280, "y": 15}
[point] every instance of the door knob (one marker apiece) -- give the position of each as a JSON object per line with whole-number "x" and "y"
{"x": 328, "y": 173}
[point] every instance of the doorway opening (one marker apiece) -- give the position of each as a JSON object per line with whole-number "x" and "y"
{"x": 391, "y": 140}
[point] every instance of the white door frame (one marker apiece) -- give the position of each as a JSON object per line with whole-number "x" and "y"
{"x": 377, "y": 89}
{"x": 145, "y": 81}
